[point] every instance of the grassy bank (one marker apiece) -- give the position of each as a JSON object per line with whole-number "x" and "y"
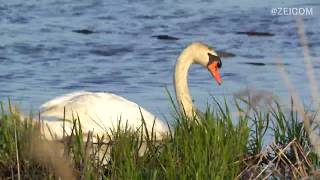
{"x": 253, "y": 142}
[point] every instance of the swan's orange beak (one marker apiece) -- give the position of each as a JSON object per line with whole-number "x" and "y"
{"x": 214, "y": 70}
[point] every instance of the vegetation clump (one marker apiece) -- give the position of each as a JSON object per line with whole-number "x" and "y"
{"x": 220, "y": 144}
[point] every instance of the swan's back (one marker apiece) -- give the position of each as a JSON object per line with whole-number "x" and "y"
{"x": 101, "y": 112}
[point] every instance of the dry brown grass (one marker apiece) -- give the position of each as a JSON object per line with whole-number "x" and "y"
{"x": 50, "y": 154}
{"x": 310, "y": 127}
{"x": 282, "y": 161}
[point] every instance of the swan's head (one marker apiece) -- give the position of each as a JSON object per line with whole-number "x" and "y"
{"x": 207, "y": 57}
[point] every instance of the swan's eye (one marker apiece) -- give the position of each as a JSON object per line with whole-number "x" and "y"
{"x": 214, "y": 58}
{"x": 219, "y": 64}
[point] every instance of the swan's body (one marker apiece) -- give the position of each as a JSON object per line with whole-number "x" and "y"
{"x": 101, "y": 112}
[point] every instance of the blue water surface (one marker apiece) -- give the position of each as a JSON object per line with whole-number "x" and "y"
{"x": 42, "y": 55}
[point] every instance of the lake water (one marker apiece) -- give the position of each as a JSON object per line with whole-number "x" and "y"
{"x": 41, "y": 55}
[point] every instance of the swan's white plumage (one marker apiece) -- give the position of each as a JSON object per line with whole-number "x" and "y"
{"x": 60, "y": 99}
{"x": 98, "y": 112}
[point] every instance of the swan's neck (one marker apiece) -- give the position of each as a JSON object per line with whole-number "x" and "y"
{"x": 181, "y": 82}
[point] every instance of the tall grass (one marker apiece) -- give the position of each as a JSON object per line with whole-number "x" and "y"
{"x": 206, "y": 150}
{"x": 214, "y": 145}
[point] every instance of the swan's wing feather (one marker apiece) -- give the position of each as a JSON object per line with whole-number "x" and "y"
{"x": 100, "y": 110}
{"x": 60, "y": 100}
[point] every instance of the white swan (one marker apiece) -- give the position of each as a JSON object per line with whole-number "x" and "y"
{"x": 100, "y": 112}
